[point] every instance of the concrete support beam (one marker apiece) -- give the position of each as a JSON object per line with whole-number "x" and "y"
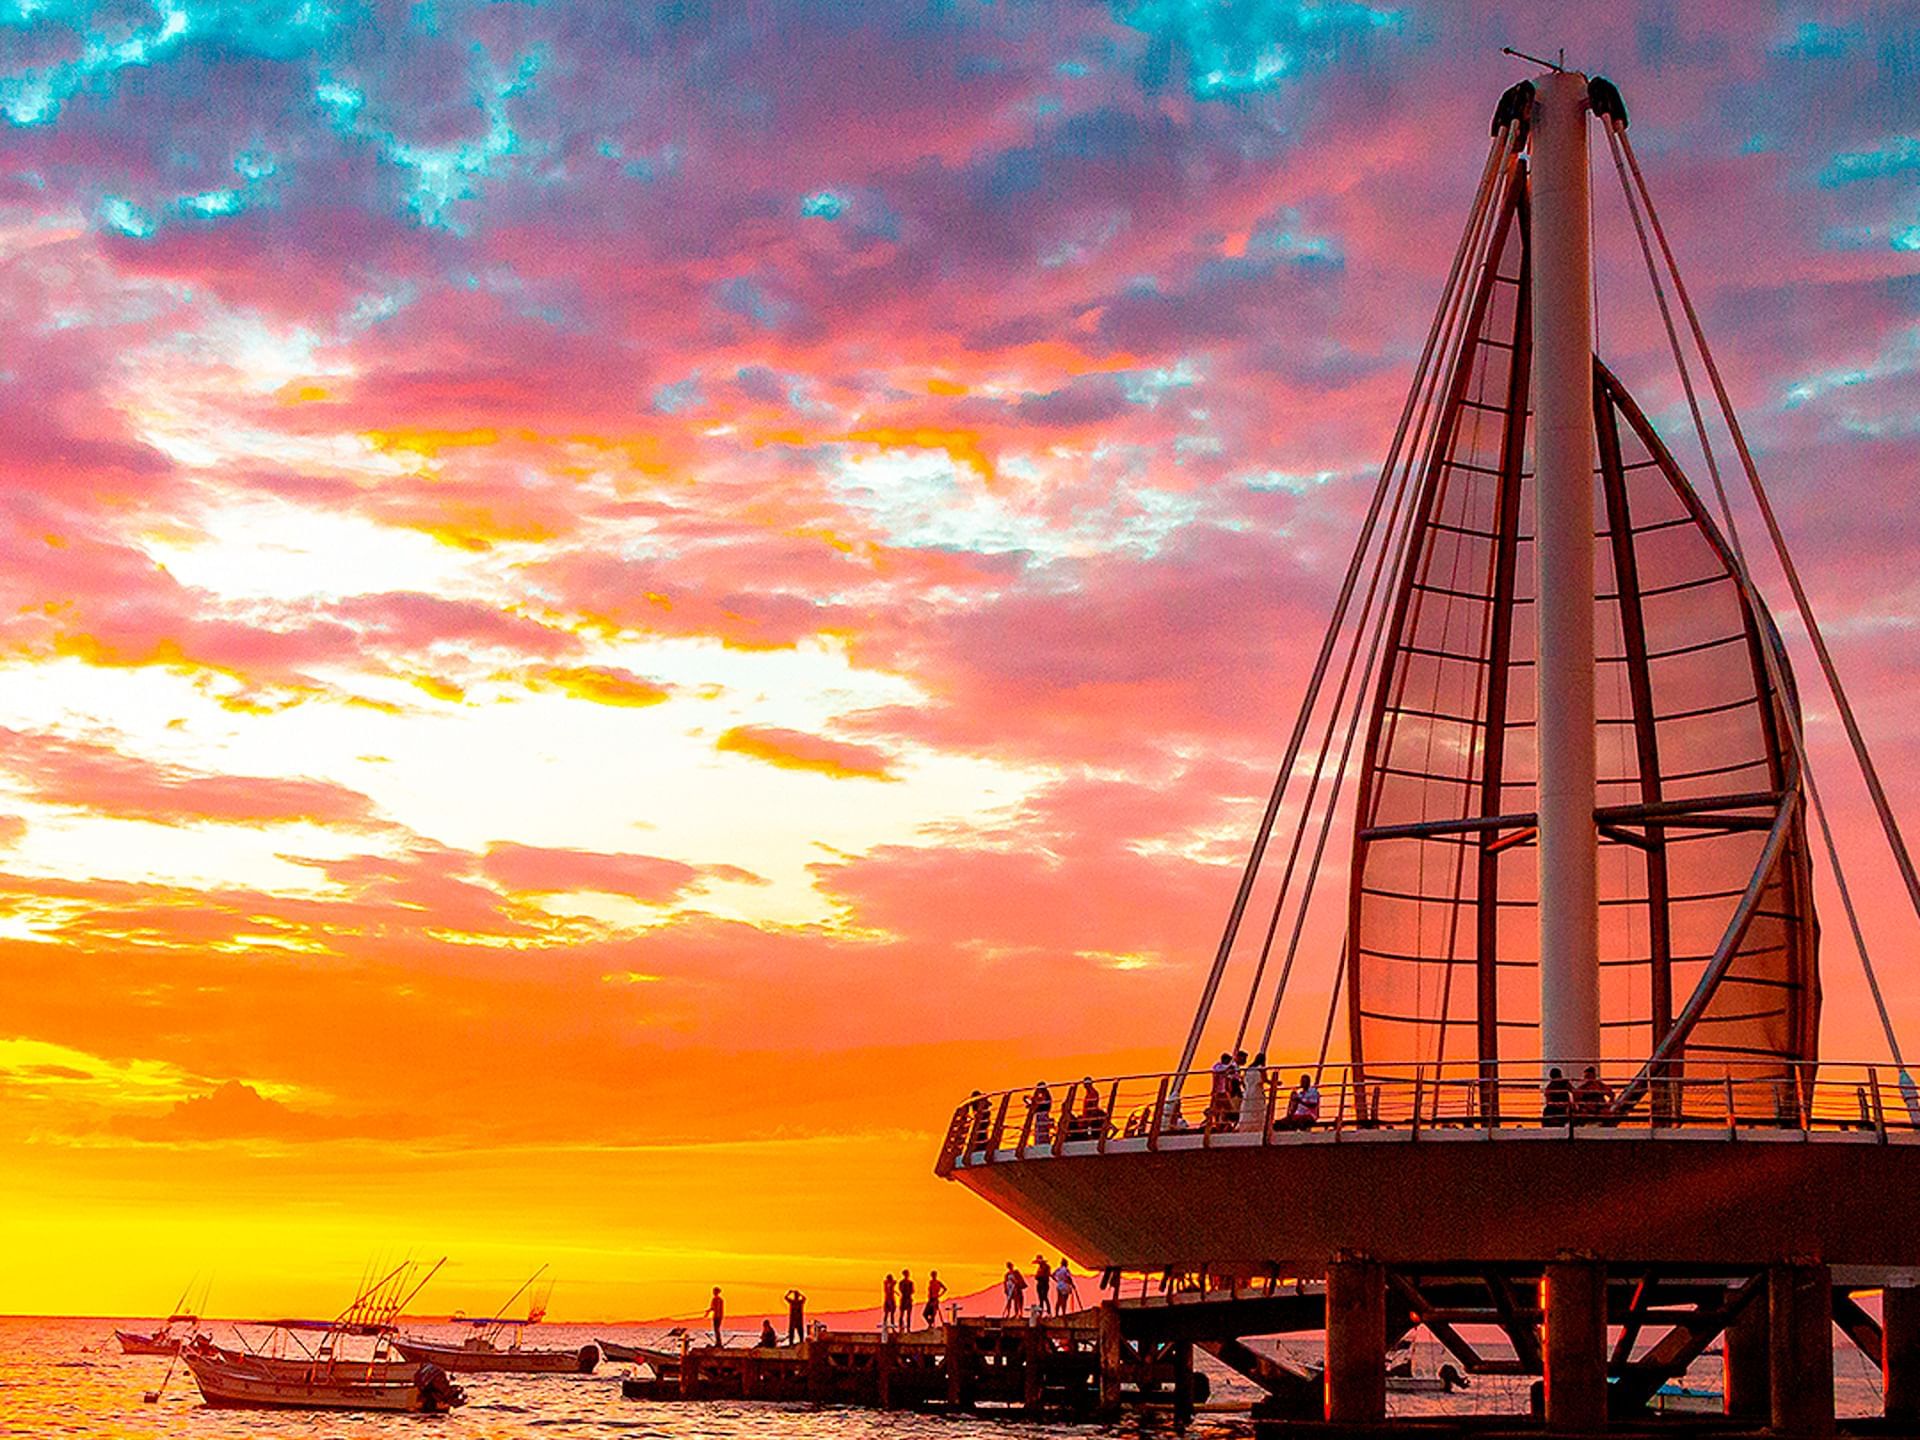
{"x": 1900, "y": 1353}
{"x": 1800, "y": 1348}
{"x": 1573, "y": 1300}
{"x": 1744, "y": 1364}
{"x": 1356, "y": 1374}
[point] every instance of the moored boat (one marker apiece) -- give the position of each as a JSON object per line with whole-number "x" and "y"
{"x": 157, "y": 1342}
{"x": 478, "y": 1354}
{"x": 166, "y": 1337}
{"x": 326, "y": 1377}
{"x": 484, "y": 1353}
{"x": 226, "y": 1383}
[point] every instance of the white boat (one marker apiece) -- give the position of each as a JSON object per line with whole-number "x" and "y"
{"x": 495, "y": 1346}
{"x": 328, "y": 1376}
{"x": 247, "y": 1384}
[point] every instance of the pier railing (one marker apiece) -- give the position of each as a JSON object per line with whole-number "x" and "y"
{"x": 1268, "y": 1105}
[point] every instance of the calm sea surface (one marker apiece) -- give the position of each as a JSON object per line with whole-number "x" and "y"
{"x": 67, "y": 1377}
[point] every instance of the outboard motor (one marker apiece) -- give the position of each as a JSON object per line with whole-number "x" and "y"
{"x": 589, "y": 1357}
{"x": 437, "y": 1390}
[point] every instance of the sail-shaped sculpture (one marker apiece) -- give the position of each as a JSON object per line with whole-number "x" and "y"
{"x": 1643, "y": 804}
{"x": 1707, "y": 933}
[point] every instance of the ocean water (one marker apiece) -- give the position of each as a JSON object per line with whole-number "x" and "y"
{"x": 67, "y": 1377}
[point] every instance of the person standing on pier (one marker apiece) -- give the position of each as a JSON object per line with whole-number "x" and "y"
{"x": 906, "y": 1299}
{"x": 717, "y": 1309}
{"x": 796, "y": 1316}
{"x": 1253, "y": 1092}
{"x": 1221, "y": 1095}
{"x": 935, "y": 1289}
{"x": 1015, "y": 1286}
{"x": 1065, "y": 1291}
{"x": 889, "y": 1303}
{"x": 1043, "y": 1284}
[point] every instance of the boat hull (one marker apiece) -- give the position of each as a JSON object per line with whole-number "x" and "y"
{"x": 486, "y": 1360}
{"x": 133, "y": 1343}
{"x": 227, "y": 1386}
{"x": 1690, "y": 1197}
{"x": 297, "y": 1367}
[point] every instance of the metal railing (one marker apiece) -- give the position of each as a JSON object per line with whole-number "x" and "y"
{"x": 1202, "y": 1107}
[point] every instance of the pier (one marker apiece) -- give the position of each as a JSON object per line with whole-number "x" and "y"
{"x": 1089, "y": 1365}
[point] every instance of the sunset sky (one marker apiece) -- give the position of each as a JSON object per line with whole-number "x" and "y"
{"x": 606, "y": 607}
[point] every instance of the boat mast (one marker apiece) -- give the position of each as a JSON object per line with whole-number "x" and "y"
{"x": 1563, "y": 447}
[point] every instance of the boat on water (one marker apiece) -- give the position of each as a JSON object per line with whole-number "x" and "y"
{"x": 663, "y": 1360}
{"x": 155, "y": 1342}
{"x": 1574, "y": 944}
{"x": 286, "y": 1373}
{"x": 227, "y": 1383}
{"x": 480, "y": 1354}
{"x": 495, "y": 1346}
{"x": 166, "y": 1339}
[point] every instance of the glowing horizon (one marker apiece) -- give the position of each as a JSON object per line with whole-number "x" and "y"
{"x": 605, "y": 613}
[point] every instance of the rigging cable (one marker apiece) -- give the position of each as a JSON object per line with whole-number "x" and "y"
{"x": 1335, "y": 625}
{"x": 1403, "y": 546}
{"x": 1455, "y": 315}
{"x": 1619, "y": 144}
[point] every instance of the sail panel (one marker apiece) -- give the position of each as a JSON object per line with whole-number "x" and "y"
{"x": 1707, "y": 931}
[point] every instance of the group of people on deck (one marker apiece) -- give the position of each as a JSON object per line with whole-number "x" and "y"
{"x": 1564, "y": 1103}
{"x": 896, "y": 1301}
{"x": 1054, "y": 1289}
{"x": 1088, "y": 1122}
{"x": 1244, "y": 1092}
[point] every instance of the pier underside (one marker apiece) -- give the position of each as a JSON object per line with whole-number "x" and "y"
{"x": 1291, "y": 1206}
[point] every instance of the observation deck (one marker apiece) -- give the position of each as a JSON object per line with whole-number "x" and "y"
{"x": 1419, "y": 1163}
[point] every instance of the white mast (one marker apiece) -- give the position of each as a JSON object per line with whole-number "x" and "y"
{"x": 1563, "y": 448}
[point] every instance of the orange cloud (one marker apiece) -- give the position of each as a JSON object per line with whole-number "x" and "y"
{"x": 797, "y": 750}
{"x": 602, "y": 684}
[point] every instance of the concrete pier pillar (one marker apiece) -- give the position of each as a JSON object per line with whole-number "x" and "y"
{"x": 1356, "y": 1374}
{"x": 1573, "y": 1302}
{"x": 1800, "y": 1348}
{"x": 1900, "y": 1352}
{"x": 1744, "y": 1363}
{"x": 1110, "y": 1362}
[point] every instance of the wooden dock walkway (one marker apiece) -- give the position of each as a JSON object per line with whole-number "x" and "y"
{"x": 1084, "y": 1365}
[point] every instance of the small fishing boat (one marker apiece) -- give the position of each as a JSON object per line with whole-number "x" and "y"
{"x": 157, "y": 1342}
{"x": 484, "y": 1353}
{"x": 663, "y": 1360}
{"x": 1687, "y": 1400}
{"x": 166, "y": 1339}
{"x": 226, "y": 1384}
{"x": 326, "y": 1376}
{"x": 480, "y": 1354}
